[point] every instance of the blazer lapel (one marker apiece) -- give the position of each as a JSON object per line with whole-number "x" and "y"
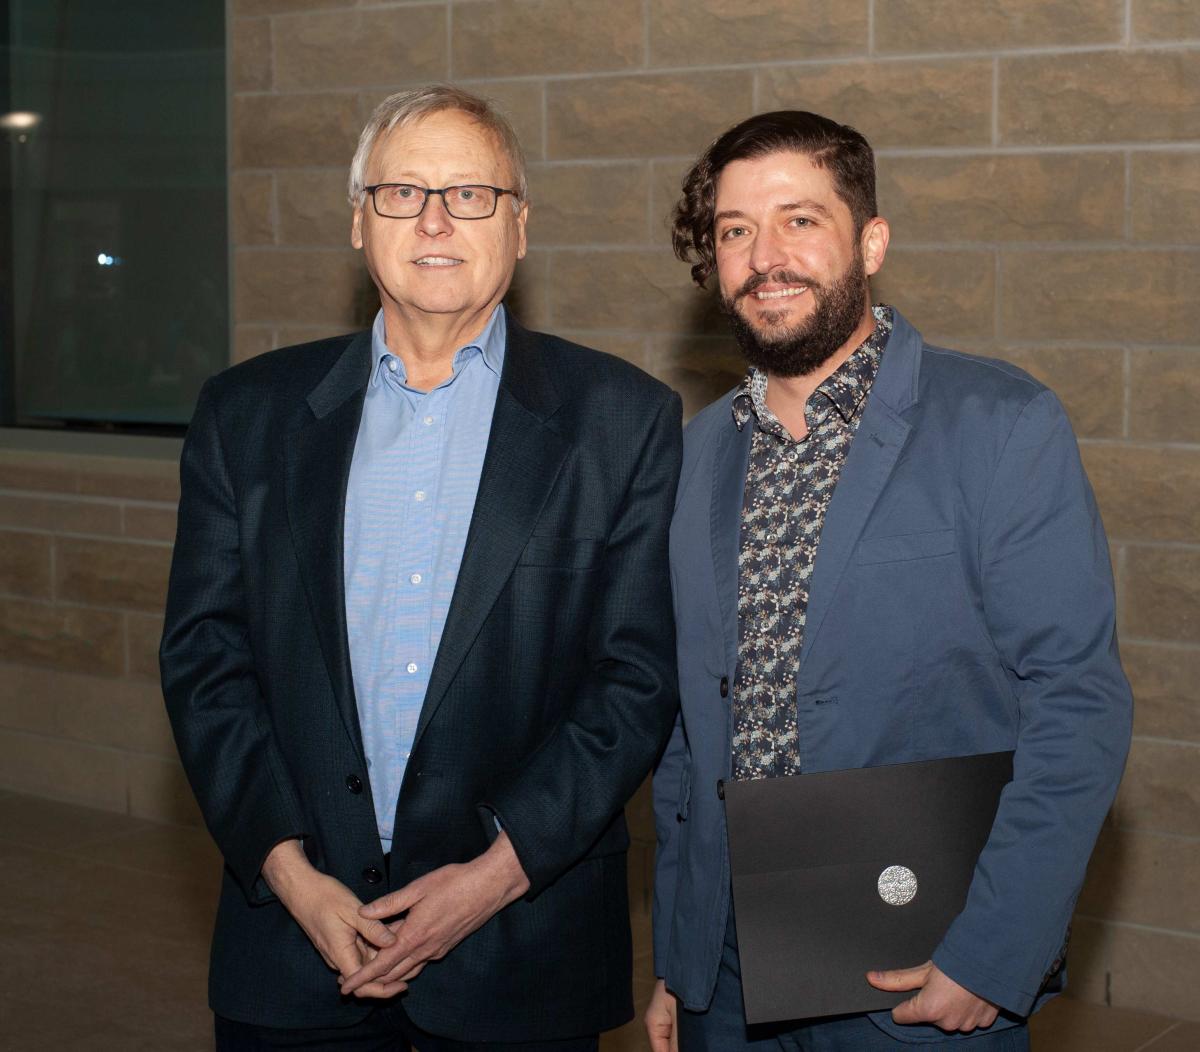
{"x": 524, "y": 456}
{"x": 730, "y": 461}
{"x": 317, "y": 470}
{"x": 873, "y": 454}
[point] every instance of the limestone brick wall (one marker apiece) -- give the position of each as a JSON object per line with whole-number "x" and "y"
{"x": 1040, "y": 163}
{"x": 85, "y": 544}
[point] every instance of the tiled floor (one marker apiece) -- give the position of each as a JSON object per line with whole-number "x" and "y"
{"x": 104, "y": 925}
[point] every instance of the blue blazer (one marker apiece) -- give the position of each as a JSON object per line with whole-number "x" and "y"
{"x": 961, "y": 602}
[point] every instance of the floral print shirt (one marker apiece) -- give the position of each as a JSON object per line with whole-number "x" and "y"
{"x": 789, "y": 484}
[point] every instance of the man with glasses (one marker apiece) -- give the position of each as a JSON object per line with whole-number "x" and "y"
{"x": 419, "y": 649}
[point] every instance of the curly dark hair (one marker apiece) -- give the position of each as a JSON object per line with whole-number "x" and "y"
{"x": 838, "y": 147}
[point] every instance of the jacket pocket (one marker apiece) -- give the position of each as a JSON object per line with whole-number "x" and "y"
{"x": 566, "y": 553}
{"x": 905, "y": 546}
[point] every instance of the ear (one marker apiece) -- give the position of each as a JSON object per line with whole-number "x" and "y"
{"x": 874, "y": 243}
{"x": 522, "y": 219}
{"x": 356, "y": 227}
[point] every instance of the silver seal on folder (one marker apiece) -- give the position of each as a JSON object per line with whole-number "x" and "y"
{"x": 897, "y": 885}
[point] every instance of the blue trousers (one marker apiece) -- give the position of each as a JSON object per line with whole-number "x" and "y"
{"x": 723, "y": 1027}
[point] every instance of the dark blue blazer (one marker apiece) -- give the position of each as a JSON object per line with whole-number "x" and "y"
{"x": 961, "y": 602}
{"x": 551, "y": 693}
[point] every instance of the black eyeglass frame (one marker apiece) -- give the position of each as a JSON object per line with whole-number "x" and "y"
{"x": 429, "y": 191}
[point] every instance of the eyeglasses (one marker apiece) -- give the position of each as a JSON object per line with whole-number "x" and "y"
{"x": 405, "y": 201}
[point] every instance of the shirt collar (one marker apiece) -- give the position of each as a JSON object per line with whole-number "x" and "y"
{"x": 846, "y": 389}
{"x": 489, "y": 344}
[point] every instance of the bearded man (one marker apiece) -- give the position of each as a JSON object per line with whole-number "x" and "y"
{"x": 882, "y": 552}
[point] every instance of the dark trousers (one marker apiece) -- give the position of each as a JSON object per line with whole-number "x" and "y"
{"x": 387, "y": 1029}
{"x": 723, "y": 1027}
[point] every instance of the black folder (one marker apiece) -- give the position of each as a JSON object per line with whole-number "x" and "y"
{"x": 840, "y": 873}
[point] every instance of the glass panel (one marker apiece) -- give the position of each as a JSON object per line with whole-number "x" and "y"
{"x": 115, "y": 127}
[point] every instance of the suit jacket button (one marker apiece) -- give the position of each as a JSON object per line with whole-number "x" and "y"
{"x": 371, "y": 875}
{"x": 724, "y": 686}
{"x": 354, "y": 783}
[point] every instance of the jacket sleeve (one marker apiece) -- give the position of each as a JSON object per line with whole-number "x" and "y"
{"x": 582, "y": 775}
{"x": 208, "y": 675}
{"x": 1047, "y": 597}
{"x": 667, "y": 820}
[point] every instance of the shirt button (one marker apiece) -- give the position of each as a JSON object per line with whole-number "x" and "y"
{"x": 415, "y": 579}
{"x": 412, "y": 667}
{"x": 392, "y": 365}
{"x": 419, "y": 495}
{"x": 427, "y": 421}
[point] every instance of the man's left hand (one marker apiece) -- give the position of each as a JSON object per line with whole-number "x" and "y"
{"x": 441, "y": 909}
{"x": 940, "y": 1001}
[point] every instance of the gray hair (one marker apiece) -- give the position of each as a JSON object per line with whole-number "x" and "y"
{"x": 405, "y": 107}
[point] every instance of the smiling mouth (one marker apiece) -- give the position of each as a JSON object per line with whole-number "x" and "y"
{"x": 779, "y": 294}
{"x": 437, "y": 261}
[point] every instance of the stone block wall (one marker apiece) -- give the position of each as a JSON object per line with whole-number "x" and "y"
{"x": 1039, "y": 161}
{"x": 85, "y": 546}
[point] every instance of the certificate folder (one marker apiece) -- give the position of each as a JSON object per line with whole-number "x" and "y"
{"x": 840, "y": 873}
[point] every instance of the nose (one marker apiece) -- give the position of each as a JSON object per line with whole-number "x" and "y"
{"x": 766, "y": 253}
{"x": 434, "y": 220}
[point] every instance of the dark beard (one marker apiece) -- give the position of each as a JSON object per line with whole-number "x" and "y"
{"x": 803, "y": 348}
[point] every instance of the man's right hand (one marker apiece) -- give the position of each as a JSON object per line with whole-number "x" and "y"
{"x": 325, "y": 908}
{"x": 660, "y": 1020}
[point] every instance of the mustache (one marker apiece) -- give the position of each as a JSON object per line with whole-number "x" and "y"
{"x": 782, "y": 277}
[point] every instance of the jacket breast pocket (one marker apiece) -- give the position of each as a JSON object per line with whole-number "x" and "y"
{"x": 904, "y": 547}
{"x": 564, "y": 553}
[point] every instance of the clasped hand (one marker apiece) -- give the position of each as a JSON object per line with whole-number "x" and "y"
{"x": 939, "y": 1000}
{"x": 325, "y": 909}
{"x": 438, "y": 911}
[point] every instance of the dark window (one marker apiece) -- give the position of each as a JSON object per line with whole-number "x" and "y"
{"x": 113, "y": 240}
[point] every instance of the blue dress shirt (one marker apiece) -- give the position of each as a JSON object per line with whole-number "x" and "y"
{"x": 412, "y": 487}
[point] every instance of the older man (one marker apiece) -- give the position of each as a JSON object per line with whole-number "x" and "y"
{"x": 418, "y": 648}
{"x": 884, "y": 552}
